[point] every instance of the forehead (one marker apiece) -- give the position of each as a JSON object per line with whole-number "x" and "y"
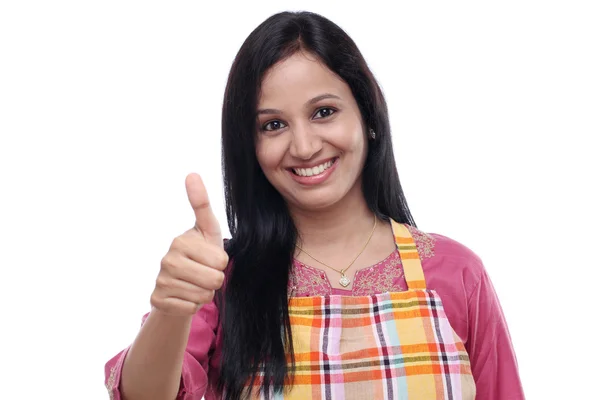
{"x": 300, "y": 77}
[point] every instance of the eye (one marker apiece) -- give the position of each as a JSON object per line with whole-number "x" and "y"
{"x": 273, "y": 125}
{"x": 324, "y": 112}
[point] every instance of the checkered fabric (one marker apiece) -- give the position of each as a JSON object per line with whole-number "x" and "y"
{"x": 385, "y": 346}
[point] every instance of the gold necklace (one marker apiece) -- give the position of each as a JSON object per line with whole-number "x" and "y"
{"x": 344, "y": 280}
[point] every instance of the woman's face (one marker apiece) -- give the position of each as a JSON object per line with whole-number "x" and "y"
{"x": 311, "y": 142}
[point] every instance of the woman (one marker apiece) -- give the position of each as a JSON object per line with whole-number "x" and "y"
{"x": 326, "y": 289}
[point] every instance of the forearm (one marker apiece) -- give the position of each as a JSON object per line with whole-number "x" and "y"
{"x": 152, "y": 368}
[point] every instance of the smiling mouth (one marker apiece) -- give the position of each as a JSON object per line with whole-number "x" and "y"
{"x": 314, "y": 170}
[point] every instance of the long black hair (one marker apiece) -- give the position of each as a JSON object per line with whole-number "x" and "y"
{"x": 254, "y": 301}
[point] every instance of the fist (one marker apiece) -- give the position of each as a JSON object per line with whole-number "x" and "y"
{"x": 193, "y": 267}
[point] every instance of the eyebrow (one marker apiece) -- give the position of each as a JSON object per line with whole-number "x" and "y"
{"x": 311, "y": 101}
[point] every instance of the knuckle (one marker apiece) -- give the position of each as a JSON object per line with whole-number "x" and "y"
{"x": 155, "y": 300}
{"x": 162, "y": 281}
{"x": 179, "y": 242}
{"x": 167, "y": 261}
{"x": 172, "y": 264}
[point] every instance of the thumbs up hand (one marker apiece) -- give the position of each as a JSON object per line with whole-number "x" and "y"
{"x": 193, "y": 267}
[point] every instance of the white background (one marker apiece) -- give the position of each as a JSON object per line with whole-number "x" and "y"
{"x": 106, "y": 106}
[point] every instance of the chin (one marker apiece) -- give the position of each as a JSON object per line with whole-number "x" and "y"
{"x": 316, "y": 202}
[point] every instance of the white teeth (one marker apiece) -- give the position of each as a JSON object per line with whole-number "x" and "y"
{"x": 314, "y": 170}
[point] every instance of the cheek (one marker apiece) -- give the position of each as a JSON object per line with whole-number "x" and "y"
{"x": 350, "y": 139}
{"x": 268, "y": 154}
{"x": 359, "y": 140}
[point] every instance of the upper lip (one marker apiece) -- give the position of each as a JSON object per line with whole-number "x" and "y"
{"x": 313, "y": 164}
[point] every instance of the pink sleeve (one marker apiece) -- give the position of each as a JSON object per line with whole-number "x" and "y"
{"x": 493, "y": 361}
{"x": 194, "y": 374}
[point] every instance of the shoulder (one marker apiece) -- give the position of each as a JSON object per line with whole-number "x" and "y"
{"x": 447, "y": 261}
{"x": 454, "y": 271}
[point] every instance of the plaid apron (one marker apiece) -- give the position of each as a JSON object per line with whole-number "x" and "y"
{"x": 385, "y": 346}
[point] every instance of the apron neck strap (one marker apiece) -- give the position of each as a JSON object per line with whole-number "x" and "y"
{"x": 411, "y": 262}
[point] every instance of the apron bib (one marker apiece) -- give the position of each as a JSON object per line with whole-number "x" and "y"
{"x": 386, "y": 346}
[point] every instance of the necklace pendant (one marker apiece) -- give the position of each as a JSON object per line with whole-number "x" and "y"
{"x": 344, "y": 281}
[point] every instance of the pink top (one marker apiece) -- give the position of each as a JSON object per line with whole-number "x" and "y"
{"x": 451, "y": 269}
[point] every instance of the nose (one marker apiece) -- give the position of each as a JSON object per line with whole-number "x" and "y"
{"x": 305, "y": 143}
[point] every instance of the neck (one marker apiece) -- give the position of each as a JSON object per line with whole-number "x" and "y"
{"x": 342, "y": 227}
